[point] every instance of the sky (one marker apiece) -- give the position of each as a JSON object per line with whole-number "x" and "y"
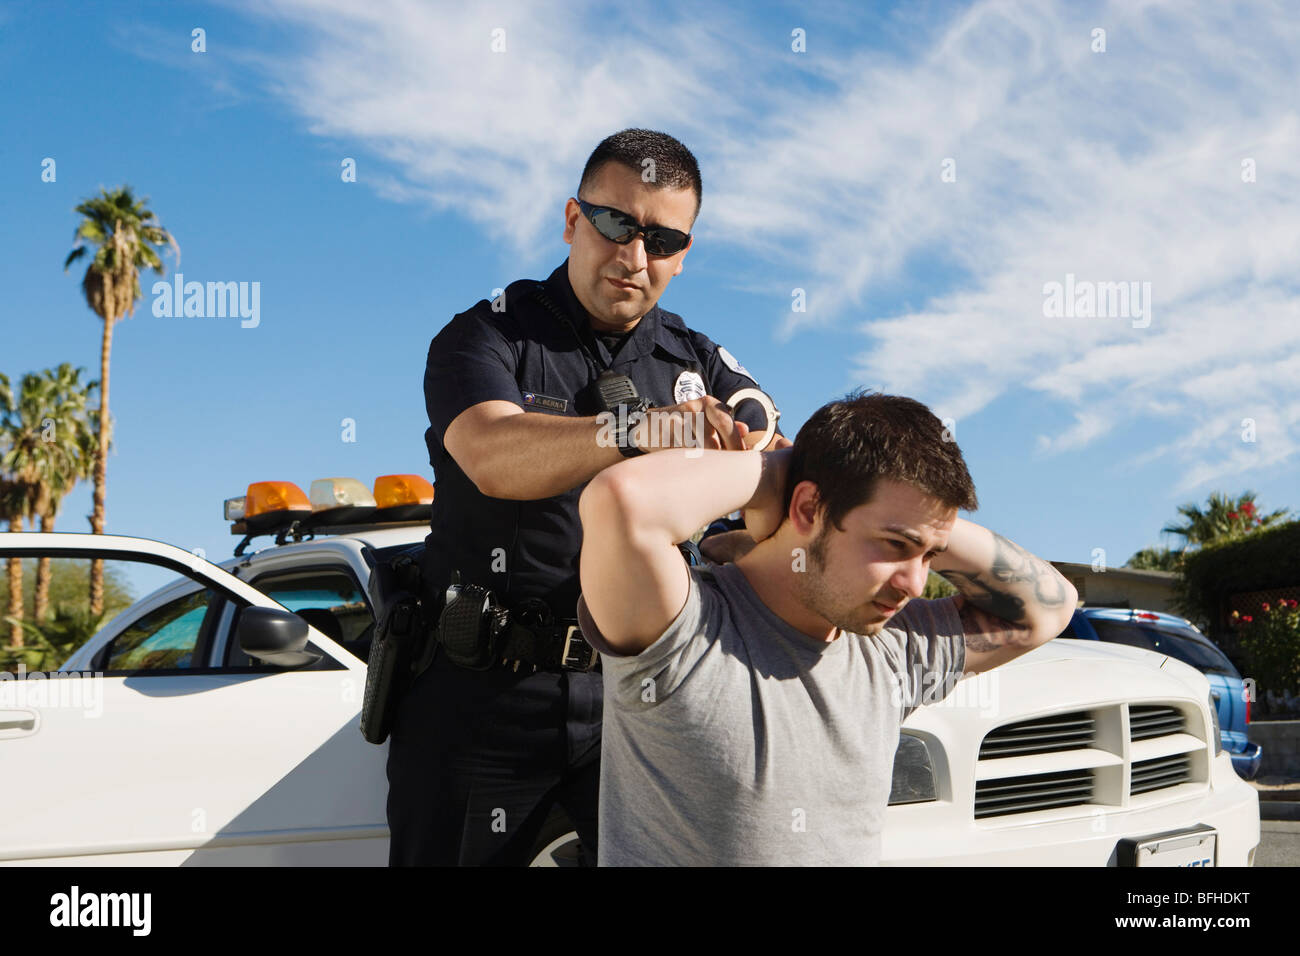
{"x": 895, "y": 196}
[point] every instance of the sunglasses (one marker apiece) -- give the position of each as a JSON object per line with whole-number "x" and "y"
{"x": 618, "y": 226}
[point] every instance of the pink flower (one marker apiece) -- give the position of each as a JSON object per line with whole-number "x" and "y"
{"x": 1247, "y": 618}
{"x": 1264, "y": 606}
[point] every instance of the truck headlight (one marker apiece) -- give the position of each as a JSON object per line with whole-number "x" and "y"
{"x": 913, "y": 772}
{"x": 1214, "y": 719}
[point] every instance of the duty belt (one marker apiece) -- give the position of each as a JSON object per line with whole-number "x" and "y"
{"x": 550, "y": 647}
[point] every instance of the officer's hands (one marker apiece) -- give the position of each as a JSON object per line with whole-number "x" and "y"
{"x": 699, "y": 423}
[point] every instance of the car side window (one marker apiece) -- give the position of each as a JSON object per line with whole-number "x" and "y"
{"x": 330, "y": 600}
{"x": 1166, "y": 640}
{"x": 1189, "y": 650}
{"x": 1121, "y": 632}
{"x": 164, "y": 638}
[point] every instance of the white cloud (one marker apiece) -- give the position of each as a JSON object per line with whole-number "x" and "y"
{"x": 1115, "y": 166}
{"x": 823, "y": 170}
{"x": 500, "y": 137}
{"x": 1087, "y": 426}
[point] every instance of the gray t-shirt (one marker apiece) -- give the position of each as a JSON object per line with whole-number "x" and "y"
{"x": 735, "y": 739}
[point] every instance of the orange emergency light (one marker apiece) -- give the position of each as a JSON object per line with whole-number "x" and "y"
{"x": 394, "y": 490}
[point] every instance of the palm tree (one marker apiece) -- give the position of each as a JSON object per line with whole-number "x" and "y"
{"x": 1154, "y": 559}
{"x": 15, "y": 505}
{"x": 1224, "y": 517}
{"x": 124, "y": 233}
{"x": 80, "y": 439}
{"x": 57, "y": 401}
{"x": 13, "y": 499}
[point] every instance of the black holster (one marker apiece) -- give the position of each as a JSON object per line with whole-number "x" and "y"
{"x": 402, "y": 637}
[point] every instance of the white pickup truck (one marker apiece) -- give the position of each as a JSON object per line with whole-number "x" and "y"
{"x": 1078, "y": 753}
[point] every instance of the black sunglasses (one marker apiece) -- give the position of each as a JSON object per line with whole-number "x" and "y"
{"x": 618, "y": 226}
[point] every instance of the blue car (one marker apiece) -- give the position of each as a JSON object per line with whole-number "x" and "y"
{"x": 1166, "y": 634}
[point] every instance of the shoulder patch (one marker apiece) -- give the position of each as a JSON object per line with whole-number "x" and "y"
{"x": 729, "y": 360}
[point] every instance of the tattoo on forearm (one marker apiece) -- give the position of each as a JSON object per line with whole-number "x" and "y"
{"x": 1012, "y": 571}
{"x": 985, "y": 631}
{"x": 1012, "y": 564}
{"x": 999, "y": 603}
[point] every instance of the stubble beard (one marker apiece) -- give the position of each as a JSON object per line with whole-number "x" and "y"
{"x": 816, "y": 595}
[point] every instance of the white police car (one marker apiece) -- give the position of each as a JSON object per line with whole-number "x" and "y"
{"x": 224, "y": 730}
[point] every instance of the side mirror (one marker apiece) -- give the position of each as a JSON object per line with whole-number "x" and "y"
{"x": 274, "y": 636}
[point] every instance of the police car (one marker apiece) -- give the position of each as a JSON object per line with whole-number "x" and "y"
{"x": 216, "y": 722}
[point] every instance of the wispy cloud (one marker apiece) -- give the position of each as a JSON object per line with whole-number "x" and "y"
{"x": 1115, "y": 166}
{"x": 499, "y": 137}
{"x": 825, "y": 170}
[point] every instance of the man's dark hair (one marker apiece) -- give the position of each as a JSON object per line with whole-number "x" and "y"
{"x": 674, "y": 165}
{"x": 847, "y": 446}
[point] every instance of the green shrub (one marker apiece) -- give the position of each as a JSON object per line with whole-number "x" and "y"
{"x": 1263, "y": 559}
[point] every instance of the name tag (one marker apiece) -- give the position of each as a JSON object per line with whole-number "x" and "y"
{"x": 545, "y": 401}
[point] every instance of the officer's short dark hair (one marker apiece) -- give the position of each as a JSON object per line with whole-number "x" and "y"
{"x": 674, "y": 165}
{"x": 847, "y": 446}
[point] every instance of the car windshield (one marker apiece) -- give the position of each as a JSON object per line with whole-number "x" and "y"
{"x": 1179, "y": 645}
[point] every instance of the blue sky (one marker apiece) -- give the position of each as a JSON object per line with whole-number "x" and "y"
{"x": 824, "y": 170}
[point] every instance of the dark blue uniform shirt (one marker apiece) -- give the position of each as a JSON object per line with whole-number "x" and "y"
{"x": 526, "y": 355}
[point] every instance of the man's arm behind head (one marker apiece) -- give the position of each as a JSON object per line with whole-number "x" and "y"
{"x": 634, "y": 581}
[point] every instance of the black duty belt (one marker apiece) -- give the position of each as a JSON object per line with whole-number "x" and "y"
{"x": 552, "y": 647}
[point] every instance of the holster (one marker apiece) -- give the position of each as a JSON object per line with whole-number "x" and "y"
{"x": 402, "y": 636}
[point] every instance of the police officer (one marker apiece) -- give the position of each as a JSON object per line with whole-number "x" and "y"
{"x": 514, "y": 387}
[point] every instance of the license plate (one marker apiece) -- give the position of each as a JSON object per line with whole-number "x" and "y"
{"x": 1193, "y": 846}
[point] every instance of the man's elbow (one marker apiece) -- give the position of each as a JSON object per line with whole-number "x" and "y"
{"x": 1058, "y": 617}
{"x": 491, "y": 481}
{"x": 608, "y": 497}
{"x": 480, "y": 442}
{"x": 495, "y": 479}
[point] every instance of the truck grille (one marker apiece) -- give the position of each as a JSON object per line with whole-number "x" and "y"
{"x": 1083, "y": 759}
{"x": 1153, "y": 720}
{"x": 1160, "y": 773}
{"x": 1040, "y": 736}
{"x": 1043, "y": 791}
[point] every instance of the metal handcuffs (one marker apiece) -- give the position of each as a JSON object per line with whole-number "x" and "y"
{"x": 769, "y": 408}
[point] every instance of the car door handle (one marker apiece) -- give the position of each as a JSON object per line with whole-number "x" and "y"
{"x": 17, "y": 723}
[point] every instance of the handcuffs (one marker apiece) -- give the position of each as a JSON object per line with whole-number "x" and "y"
{"x": 769, "y": 408}
{"x": 615, "y": 391}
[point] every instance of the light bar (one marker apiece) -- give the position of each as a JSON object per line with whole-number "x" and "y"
{"x": 394, "y": 490}
{"x": 280, "y": 507}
